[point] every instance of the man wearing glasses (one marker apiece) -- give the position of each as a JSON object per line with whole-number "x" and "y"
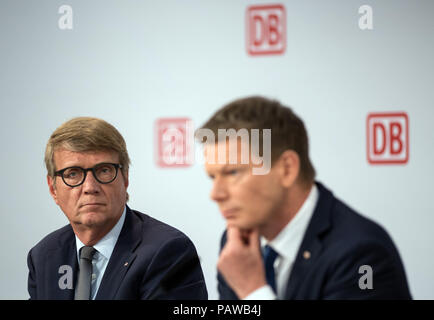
{"x": 108, "y": 251}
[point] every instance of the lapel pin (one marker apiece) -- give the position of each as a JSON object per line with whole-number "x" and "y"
{"x": 306, "y": 255}
{"x": 125, "y": 264}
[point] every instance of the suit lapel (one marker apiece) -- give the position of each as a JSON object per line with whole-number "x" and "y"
{"x": 61, "y": 267}
{"x": 122, "y": 257}
{"x": 311, "y": 245}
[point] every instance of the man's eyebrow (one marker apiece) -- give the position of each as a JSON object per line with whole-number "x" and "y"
{"x": 96, "y": 164}
{"x": 230, "y": 166}
{"x": 216, "y": 170}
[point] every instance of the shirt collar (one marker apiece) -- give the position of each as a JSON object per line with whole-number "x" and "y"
{"x": 287, "y": 242}
{"x": 106, "y": 245}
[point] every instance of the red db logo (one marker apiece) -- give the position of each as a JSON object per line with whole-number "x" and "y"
{"x": 266, "y": 29}
{"x": 174, "y": 142}
{"x": 387, "y": 138}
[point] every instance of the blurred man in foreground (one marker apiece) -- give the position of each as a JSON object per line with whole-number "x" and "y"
{"x": 287, "y": 236}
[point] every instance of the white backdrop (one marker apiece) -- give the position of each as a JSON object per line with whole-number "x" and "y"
{"x": 132, "y": 62}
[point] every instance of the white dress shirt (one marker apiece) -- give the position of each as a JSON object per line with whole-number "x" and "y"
{"x": 287, "y": 244}
{"x": 101, "y": 258}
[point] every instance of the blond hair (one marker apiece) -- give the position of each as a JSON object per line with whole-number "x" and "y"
{"x": 83, "y": 134}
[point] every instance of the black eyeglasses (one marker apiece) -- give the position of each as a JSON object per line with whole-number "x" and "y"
{"x": 103, "y": 172}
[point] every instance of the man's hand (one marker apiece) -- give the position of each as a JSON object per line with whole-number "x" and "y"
{"x": 240, "y": 262}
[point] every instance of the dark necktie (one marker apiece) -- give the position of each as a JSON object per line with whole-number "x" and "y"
{"x": 82, "y": 291}
{"x": 269, "y": 257}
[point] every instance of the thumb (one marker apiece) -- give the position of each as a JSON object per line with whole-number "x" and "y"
{"x": 234, "y": 237}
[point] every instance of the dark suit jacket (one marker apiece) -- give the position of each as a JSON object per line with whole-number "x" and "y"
{"x": 340, "y": 241}
{"x": 148, "y": 252}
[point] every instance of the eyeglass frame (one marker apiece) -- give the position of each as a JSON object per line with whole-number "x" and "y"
{"x": 85, "y": 170}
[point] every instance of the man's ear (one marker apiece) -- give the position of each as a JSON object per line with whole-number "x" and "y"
{"x": 52, "y": 188}
{"x": 126, "y": 181}
{"x": 289, "y": 163}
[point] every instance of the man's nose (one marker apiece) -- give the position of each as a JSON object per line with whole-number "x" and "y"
{"x": 90, "y": 184}
{"x": 219, "y": 190}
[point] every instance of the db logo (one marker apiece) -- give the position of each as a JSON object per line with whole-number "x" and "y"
{"x": 174, "y": 139}
{"x": 266, "y": 29}
{"x": 387, "y": 138}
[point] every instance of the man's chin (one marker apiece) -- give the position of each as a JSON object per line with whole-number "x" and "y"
{"x": 236, "y": 223}
{"x": 91, "y": 218}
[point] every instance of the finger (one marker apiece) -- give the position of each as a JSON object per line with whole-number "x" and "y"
{"x": 234, "y": 236}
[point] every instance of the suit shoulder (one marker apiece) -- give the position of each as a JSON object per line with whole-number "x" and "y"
{"x": 357, "y": 229}
{"x": 157, "y": 231}
{"x": 52, "y": 240}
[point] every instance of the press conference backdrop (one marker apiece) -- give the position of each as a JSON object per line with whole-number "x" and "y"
{"x": 360, "y": 74}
